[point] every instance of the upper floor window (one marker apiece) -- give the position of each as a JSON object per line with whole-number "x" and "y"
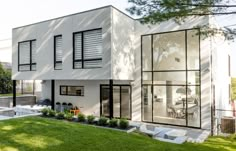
{"x": 87, "y": 49}
{"x": 27, "y": 55}
{"x": 58, "y": 52}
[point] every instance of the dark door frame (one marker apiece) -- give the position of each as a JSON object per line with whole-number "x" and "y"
{"x": 111, "y": 106}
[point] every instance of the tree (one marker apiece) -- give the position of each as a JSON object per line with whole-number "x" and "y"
{"x": 156, "y": 11}
{"x": 5, "y": 80}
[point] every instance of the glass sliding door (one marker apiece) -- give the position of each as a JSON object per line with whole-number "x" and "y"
{"x": 116, "y": 101}
{"x": 105, "y": 103}
{"x": 171, "y": 78}
{"x": 147, "y": 103}
{"x": 125, "y": 102}
{"x": 121, "y": 101}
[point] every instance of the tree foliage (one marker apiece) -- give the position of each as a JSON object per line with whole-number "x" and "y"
{"x": 233, "y": 88}
{"x": 5, "y": 80}
{"x": 156, "y": 11}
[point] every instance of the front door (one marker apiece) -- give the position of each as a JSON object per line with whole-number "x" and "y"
{"x": 121, "y": 101}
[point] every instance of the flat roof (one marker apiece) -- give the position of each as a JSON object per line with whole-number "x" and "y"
{"x": 77, "y": 14}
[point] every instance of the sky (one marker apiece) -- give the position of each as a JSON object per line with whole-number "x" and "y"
{"x": 14, "y": 13}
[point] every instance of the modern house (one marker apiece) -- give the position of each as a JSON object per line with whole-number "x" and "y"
{"x": 107, "y": 63}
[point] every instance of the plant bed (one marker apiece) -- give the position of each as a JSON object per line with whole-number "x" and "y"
{"x": 129, "y": 129}
{"x": 102, "y": 122}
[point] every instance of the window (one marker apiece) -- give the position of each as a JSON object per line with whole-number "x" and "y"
{"x": 27, "y": 55}
{"x": 87, "y": 49}
{"x": 58, "y": 52}
{"x": 72, "y": 90}
{"x": 171, "y": 79}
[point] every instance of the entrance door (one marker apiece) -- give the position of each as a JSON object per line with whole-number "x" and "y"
{"x": 121, "y": 101}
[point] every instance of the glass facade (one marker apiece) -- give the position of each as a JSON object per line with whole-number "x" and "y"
{"x": 171, "y": 78}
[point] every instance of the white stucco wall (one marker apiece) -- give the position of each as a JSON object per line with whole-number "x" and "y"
{"x": 122, "y": 46}
{"x": 44, "y": 33}
{"x": 221, "y": 78}
{"x": 89, "y": 103}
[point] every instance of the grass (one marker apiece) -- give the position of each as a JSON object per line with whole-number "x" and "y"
{"x": 37, "y": 133}
{"x": 9, "y": 94}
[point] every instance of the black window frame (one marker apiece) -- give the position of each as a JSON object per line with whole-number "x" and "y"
{"x": 27, "y": 64}
{"x": 186, "y": 72}
{"x": 55, "y": 61}
{"x": 66, "y": 86}
{"x": 82, "y": 60}
{"x": 120, "y": 87}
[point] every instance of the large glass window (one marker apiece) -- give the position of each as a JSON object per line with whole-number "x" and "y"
{"x": 27, "y": 55}
{"x": 169, "y": 51}
{"x": 171, "y": 78}
{"x": 58, "y": 52}
{"x": 87, "y": 47}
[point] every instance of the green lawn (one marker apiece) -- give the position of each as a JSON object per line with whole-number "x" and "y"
{"x": 9, "y": 94}
{"x": 37, "y": 133}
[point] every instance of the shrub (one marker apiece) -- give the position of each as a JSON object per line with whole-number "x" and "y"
{"x": 45, "y": 111}
{"x": 81, "y": 117}
{"x": 102, "y": 121}
{"x": 90, "y": 119}
{"x": 51, "y": 113}
{"x": 113, "y": 122}
{"x": 60, "y": 115}
{"x": 68, "y": 116}
{"x": 124, "y": 123}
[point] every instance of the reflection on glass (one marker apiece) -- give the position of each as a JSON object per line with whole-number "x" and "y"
{"x": 169, "y": 78}
{"x": 125, "y": 102}
{"x": 193, "y": 49}
{"x": 147, "y": 103}
{"x": 116, "y": 101}
{"x": 169, "y": 104}
{"x": 194, "y": 106}
{"x": 193, "y": 78}
{"x": 169, "y": 51}
{"x": 147, "y": 77}
{"x": 146, "y": 57}
{"x": 105, "y": 101}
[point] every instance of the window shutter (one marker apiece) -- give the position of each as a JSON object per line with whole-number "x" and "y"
{"x": 24, "y": 58}
{"x": 33, "y": 49}
{"x": 24, "y": 53}
{"x": 92, "y": 48}
{"x": 78, "y": 50}
{"x": 58, "y": 51}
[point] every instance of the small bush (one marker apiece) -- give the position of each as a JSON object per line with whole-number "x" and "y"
{"x": 124, "y": 124}
{"x": 90, "y": 119}
{"x": 60, "y": 115}
{"x": 113, "y": 122}
{"x": 102, "y": 121}
{"x": 45, "y": 111}
{"x": 68, "y": 116}
{"x": 81, "y": 117}
{"x": 51, "y": 113}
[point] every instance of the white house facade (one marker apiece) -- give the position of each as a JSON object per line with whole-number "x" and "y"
{"x": 107, "y": 63}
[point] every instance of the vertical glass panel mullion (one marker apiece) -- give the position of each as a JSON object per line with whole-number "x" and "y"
{"x": 147, "y": 103}
{"x": 193, "y": 61}
{"x": 193, "y": 99}
{"x": 116, "y": 101}
{"x": 146, "y": 53}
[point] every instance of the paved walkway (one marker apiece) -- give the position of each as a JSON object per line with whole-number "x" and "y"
{"x": 194, "y": 135}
